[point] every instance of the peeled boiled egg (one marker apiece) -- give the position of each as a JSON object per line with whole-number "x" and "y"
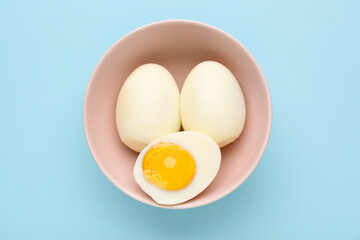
{"x": 212, "y": 103}
{"x": 147, "y": 106}
{"x": 177, "y": 167}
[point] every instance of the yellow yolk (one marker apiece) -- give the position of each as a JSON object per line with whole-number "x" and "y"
{"x": 168, "y": 166}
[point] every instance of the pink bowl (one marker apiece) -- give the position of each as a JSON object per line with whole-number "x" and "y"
{"x": 178, "y": 45}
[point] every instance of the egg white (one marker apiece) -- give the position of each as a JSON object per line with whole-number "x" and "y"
{"x": 147, "y": 107}
{"x": 207, "y": 156}
{"x": 212, "y": 102}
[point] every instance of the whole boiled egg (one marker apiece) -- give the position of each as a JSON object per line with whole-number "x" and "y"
{"x": 212, "y": 103}
{"x": 177, "y": 167}
{"x": 147, "y": 106}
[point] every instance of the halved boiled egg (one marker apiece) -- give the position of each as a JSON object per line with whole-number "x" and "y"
{"x": 177, "y": 167}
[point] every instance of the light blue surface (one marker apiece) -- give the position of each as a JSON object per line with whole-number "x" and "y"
{"x": 307, "y": 185}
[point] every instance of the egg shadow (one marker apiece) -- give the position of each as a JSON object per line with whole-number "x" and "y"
{"x": 207, "y": 220}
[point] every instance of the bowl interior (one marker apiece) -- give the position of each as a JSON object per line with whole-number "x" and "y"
{"x": 178, "y": 45}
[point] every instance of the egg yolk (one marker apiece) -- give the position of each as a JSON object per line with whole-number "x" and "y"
{"x": 168, "y": 166}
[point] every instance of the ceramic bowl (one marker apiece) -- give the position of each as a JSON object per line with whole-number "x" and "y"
{"x": 178, "y": 45}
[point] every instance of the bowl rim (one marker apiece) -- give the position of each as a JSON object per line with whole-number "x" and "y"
{"x": 240, "y": 180}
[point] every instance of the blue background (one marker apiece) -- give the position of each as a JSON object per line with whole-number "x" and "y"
{"x": 307, "y": 185}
